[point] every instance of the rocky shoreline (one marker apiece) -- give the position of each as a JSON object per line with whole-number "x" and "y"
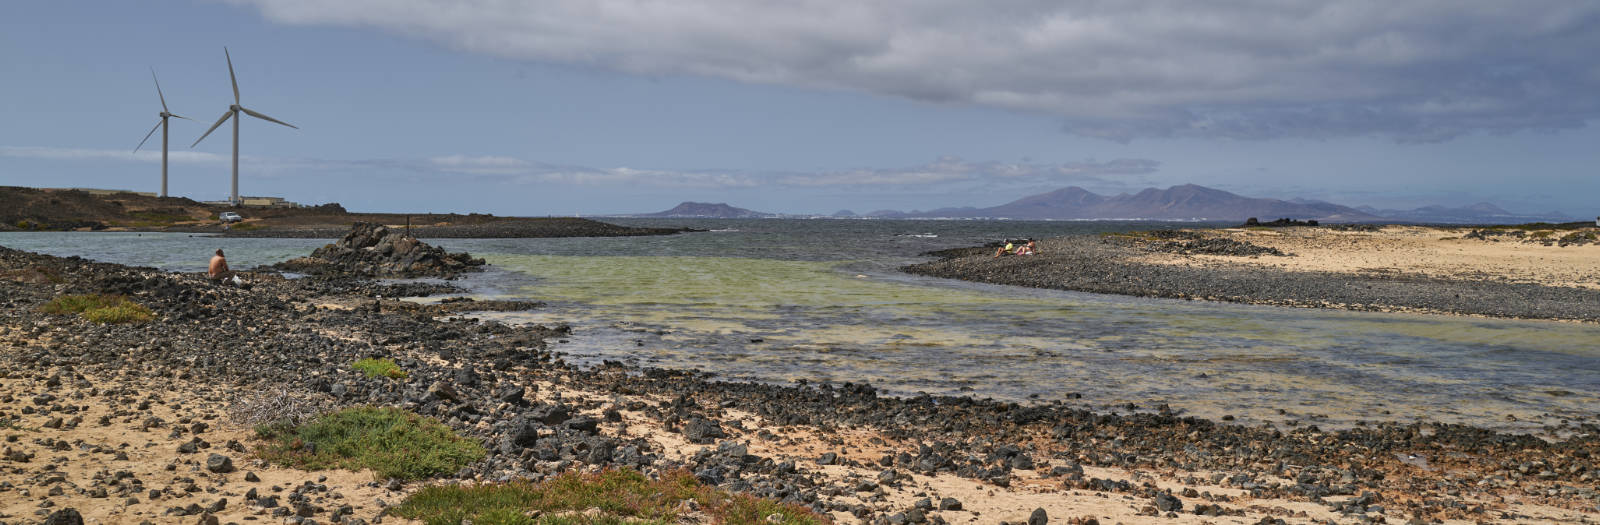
{"x": 506, "y": 228}
{"x": 1119, "y": 264}
{"x": 124, "y": 422}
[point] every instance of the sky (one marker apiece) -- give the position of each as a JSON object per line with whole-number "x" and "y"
{"x": 587, "y": 107}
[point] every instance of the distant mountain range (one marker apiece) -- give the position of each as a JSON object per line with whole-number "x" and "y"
{"x": 1182, "y": 203}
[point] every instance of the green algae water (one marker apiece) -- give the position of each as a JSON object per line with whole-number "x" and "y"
{"x": 821, "y": 300}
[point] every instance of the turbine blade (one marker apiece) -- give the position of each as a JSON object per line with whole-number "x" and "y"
{"x": 182, "y": 117}
{"x": 147, "y": 136}
{"x": 213, "y": 128}
{"x": 253, "y": 113}
{"x": 232, "y": 78}
{"x": 158, "y": 90}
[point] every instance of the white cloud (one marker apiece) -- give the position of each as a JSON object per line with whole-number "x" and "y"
{"x": 49, "y": 153}
{"x": 488, "y": 165}
{"x": 1419, "y": 70}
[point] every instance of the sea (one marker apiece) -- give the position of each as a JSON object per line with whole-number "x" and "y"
{"x": 788, "y": 301}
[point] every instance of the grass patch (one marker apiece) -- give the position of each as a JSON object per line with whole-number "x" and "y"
{"x": 380, "y": 368}
{"x": 100, "y": 308}
{"x": 622, "y": 496}
{"x": 392, "y": 442}
{"x": 1541, "y": 234}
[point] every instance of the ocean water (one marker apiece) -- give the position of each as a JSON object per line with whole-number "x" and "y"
{"x": 821, "y": 300}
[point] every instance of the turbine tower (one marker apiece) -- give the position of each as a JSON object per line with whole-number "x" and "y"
{"x": 233, "y": 113}
{"x": 163, "y": 125}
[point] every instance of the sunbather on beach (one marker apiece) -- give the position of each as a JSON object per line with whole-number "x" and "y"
{"x": 219, "y": 267}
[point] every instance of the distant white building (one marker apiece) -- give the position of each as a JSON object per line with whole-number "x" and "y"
{"x": 258, "y": 202}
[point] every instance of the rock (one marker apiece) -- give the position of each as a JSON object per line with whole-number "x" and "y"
{"x": 510, "y": 394}
{"x": 1039, "y": 517}
{"x": 443, "y": 390}
{"x": 1168, "y": 503}
{"x": 587, "y": 425}
{"x": 701, "y": 430}
{"x": 524, "y": 433}
{"x": 552, "y": 414}
{"x": 188, "y": 447}
{"x": 828, "y": 459}
{"x": 251, "y": 477}
{"x": 67, "y": 516}
{"x": 373, "y": 250}
{"x": 949, "y": 504}
{"x": 219, "y": 463}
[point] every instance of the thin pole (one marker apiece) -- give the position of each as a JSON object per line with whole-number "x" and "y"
{"x": 163, "y": 156}
{"x": 236, "y": 156}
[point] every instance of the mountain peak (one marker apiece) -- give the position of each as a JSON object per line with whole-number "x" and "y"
{"x": 707, "y": 210}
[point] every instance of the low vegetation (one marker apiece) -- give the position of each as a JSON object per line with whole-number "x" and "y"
{"x": 393, "y": 443}
{"x": 99, "y": 308}
{"x": 384, "y": 367}
{"x": 614, "y": 496}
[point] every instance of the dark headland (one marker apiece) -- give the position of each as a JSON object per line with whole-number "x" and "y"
{"x": 32, "y": 209}
{"x": 152, "y": 420}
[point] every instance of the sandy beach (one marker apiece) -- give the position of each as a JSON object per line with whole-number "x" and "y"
{"x": 1513, "y": 274}
{"x": 1409, "y": 251}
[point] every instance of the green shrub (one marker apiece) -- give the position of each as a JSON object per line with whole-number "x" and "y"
{"x": 622, "y": 496}
{"x": 380, "y": 368}
{"x": 392, "y": 442}
{"x": 99, "y": 308}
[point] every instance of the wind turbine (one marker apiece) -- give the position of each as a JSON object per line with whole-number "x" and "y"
{"x": 233, "y": 113}
{"x": 163, "y": 125}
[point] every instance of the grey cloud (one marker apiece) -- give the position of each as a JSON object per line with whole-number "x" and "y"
{"x": 1424, "y": 70}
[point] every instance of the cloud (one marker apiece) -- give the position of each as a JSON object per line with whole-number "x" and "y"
{"x": 49, "y": 153}
{"x": 1424, "y": 70}
{"x": 945, "y": 170}
{"x": 489, "y": 165}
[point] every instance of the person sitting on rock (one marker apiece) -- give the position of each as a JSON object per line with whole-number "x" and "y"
{"x": 219, "y": 267}
{"x": 1028, "y": 249}
{"x": 1008, "y": 249}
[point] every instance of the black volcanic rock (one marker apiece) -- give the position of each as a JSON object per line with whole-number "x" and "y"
{"x": 707, "y": 210}
{"x": 373, "y": 250}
